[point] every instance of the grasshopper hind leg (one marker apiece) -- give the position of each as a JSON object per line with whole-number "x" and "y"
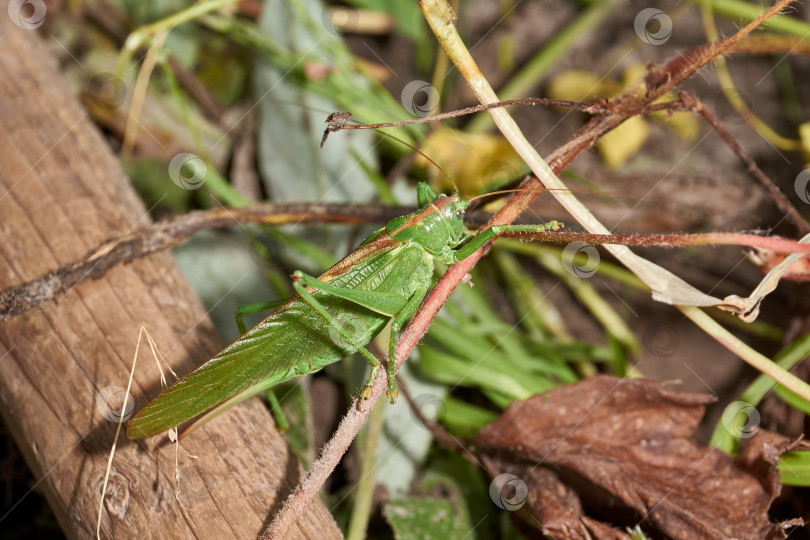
{"x": 405, "y": 315}
{"x": 381, "y": 303}
{"x": 334, "y": 323}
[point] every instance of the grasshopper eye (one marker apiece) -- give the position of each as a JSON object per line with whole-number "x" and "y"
{"x": 459, "y": 213}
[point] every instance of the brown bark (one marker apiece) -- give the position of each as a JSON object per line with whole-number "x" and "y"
{"x": 62, "y": 192}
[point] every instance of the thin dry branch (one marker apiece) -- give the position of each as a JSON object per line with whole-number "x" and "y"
{"x": 773, "y": 243}
{"x": 658, "y": 83}
{"x": 773, "y": 44}
{"x": 339, "y": 121}
{"x": 164, "y": 235}
{"x": 776, "y": 194}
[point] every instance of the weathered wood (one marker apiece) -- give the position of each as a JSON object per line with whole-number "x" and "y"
{"x": 62, "y": 192}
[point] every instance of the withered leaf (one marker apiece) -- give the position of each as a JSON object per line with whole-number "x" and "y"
{"x": 620, "y": 450}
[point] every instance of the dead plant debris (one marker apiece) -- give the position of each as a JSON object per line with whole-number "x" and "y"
{"x": 609, "y": 453}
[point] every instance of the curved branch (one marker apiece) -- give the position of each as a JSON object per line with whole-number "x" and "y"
{"x": 167, "y": 234}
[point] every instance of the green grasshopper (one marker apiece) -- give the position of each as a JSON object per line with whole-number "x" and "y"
{"x": 384, "y": 279}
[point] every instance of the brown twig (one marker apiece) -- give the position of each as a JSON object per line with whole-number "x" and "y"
{"x": 164, "y": 235}
{"x": 773, "y": 44}
{"x": 772, "y": 243}
{"x": 776, "y": 194}
{"x": 658, "y": 83}
{"x": 436, "y": 430}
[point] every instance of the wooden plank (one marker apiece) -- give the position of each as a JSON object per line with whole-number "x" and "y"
{"x": 62, "y": 192}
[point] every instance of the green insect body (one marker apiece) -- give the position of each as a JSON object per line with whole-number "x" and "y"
{"x": 333, "y": 315}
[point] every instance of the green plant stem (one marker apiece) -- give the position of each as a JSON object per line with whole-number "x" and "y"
{"x": 599, "y": 308}
{"x": 527, "y": 78}
{"x": 143, "y": 34}
{"x": 178, "y": 96}
{"x": 733, "y": 97}
{"x": 752, "y": 357}
{"x": 625, "y": 277}
{"x": 361, "y": 512}
{"x": 759, "y": 388}
{"x": 194, "y": 11}
{"x": 749, "y": 11}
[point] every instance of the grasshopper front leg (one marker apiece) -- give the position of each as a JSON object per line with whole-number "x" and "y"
{"x": 485, "y": 236}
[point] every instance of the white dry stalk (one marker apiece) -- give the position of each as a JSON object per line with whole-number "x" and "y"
{"x": 158, "y": 359}
{"x": 118, "y": 431}
{"x": 666, "y": 287}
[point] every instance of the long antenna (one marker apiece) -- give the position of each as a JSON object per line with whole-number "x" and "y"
{"x": 342, "y": 119}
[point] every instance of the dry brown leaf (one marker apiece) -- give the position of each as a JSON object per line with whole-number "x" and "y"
{"x": 622, "y": 449}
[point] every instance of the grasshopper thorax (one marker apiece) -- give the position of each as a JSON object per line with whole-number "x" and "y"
{"x": 438, "y": 226}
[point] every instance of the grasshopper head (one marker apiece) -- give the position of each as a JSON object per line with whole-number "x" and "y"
{"x": 437, "y": 226}
{"x": 451, "y": 213}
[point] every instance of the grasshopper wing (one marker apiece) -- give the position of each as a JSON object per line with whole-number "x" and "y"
{"x": 291, "y": 341}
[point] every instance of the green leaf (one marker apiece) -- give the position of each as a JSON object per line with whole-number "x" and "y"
{"x": 294, "y": 399}
{"x": 788, "y": 357}
{"x": 292, "y": 164}
{"x": 467, "y": 487}
{"x": 463, "y": 419}
{"x": 420, "y": 518}
{"x": 794, "y": 468}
